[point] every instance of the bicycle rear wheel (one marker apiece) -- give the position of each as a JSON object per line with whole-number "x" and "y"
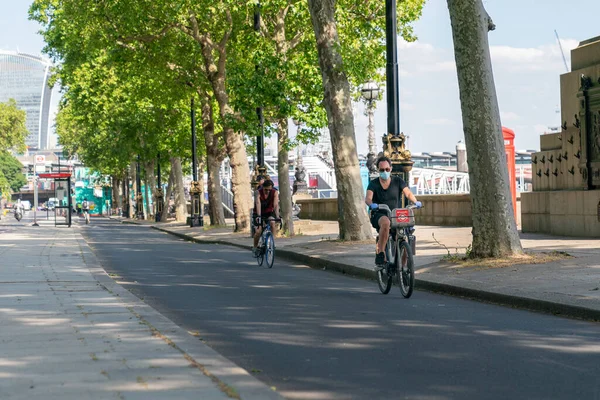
{"x": 405, "y": 272}
{"x": 270, "y": 250}
{"x": 384, "y": 280}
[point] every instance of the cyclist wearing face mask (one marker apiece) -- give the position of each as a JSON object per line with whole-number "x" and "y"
{"x": 387, "y": 190}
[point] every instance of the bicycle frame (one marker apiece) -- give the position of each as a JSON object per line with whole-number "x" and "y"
{"x": 397, "y": 235}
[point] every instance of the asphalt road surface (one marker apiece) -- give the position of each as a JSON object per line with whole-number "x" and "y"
{"x": 318, "y": 335}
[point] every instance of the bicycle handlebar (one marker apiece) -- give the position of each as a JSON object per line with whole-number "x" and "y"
{"x": 384, "y": 207}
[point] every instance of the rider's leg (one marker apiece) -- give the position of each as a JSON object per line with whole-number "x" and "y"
{"x": 384, "y": 233}
{"x": 273, "y": 228}
{"x": 257, "y": 235}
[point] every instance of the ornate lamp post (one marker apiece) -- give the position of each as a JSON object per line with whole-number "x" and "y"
{"x": 196, "y": 218}
{"x": 370, "y": 92}
{"x": 300, "y": 185}
{"x": 394, "y": 142}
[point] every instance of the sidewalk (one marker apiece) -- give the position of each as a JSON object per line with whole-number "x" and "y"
{"x": 570, "y": 287}
{"x": 70, "y": 332}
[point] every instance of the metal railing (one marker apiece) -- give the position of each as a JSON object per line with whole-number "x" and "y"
{"x": 227, "y": 199}
{"x": 433, "y": 181}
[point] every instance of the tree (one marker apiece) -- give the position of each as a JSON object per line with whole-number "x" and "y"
{"x": 11, "y": 169}
{"x": 353, "y": 220}
{"x": 12, "y": 136}
{"x": 12, "y": 127}
{"x": 146, "y": 30}
{"x": 494, "y": 228}
{"x": 350, "y": 44}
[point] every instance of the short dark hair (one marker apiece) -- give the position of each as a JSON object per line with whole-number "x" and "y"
{"x": 260, "y": 178}
{"x": 268, "y": 183}
{"x": 382, "y": 159}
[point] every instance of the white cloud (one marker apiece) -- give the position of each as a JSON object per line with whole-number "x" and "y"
{"x": 419, "y": 46}
{"x": 509, "y": 116}
{"x": 407, "y": 106}
{"x": 524, "y": 59}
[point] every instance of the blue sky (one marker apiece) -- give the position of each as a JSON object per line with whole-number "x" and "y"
{"x": 525, "y": 54}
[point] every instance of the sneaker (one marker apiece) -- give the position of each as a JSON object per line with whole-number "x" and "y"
{"x": 380, "y": 259}
{"x": 254, "y": 251}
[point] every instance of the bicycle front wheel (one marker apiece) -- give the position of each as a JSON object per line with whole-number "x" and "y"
{"x": 270, "y": 250}
{"x": 405, "y": 272}
{"x": 260, "y": 250}
{"x": 384, "y": 280}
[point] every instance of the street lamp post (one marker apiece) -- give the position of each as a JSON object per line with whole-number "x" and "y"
{"x": 259, "y": 167}
{"x": 139, "y": 199}
{"x": 196, "y": 218}
{"x": 159, "y": 193}
{"x": 394, "y": 142}
{"x": 370, "y": 92}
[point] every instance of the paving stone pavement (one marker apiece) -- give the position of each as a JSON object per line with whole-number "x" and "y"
{"x": 69, "y": 332}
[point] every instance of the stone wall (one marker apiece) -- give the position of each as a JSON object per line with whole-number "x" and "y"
{"x": 441, "y": 210}
{"x": 565, "y": 213}
{"x": 445, "y": 210}
{"x": 566, "y": 172}
{"x": 318, "y": 209}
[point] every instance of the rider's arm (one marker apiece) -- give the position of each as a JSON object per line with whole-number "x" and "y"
{"x": 257, "y": 207}
{"x": 369, "y": 198}
{"x": 409, "y": 195}
{"x": 276, "y": 201}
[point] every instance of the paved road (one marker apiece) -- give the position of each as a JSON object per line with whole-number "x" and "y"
{"x": 318, "y": 335}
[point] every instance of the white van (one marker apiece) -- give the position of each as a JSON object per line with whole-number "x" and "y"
{"x": 26, "y": 205}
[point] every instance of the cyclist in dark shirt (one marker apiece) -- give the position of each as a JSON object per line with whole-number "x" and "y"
{"x": 266, "y": 208}
{"x": 387, "y": 190}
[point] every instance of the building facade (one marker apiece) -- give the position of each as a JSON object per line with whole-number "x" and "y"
{"x": 24, "y": 78}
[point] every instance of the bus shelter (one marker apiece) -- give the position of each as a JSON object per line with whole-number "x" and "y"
{"x": 62, "y": 192}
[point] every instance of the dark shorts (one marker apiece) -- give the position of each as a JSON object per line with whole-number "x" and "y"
{"x": 264, "y": 217}
{"x": 375, "y": 219}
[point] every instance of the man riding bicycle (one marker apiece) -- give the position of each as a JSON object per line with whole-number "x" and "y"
{"x": 266, "y": 208}
{"x": 387, "y": 190}
{"x": 85, "y": 207}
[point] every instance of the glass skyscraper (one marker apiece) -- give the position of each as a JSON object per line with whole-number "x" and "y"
{"x": 24, "y": 78}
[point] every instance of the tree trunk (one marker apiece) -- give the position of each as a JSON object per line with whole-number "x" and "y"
{"x": 213, "y": 164}
{"x": 117, "y": 193}
{"x": 494, "y": 227}
{"x": 234, "y": 143}
{"x": 150, "y": 188}
{"x": 133, "y": 179}
{"x": 353, "y": 221}
{"x": 170, "y": 183}
{"x": 201, "y": 169}
{"x": 180, "y": 203}
{"x": 283, "y": 174}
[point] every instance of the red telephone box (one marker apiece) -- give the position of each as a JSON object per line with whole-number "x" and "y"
{"x": 509, "y": 149}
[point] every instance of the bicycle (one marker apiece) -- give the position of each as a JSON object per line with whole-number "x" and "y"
{"x": 400, "y": 248}
{"x": 266, "y": 244}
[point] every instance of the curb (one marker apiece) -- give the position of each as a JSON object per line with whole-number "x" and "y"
{"x": 217, "y": 367}
{"x": 525, "y": 303}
